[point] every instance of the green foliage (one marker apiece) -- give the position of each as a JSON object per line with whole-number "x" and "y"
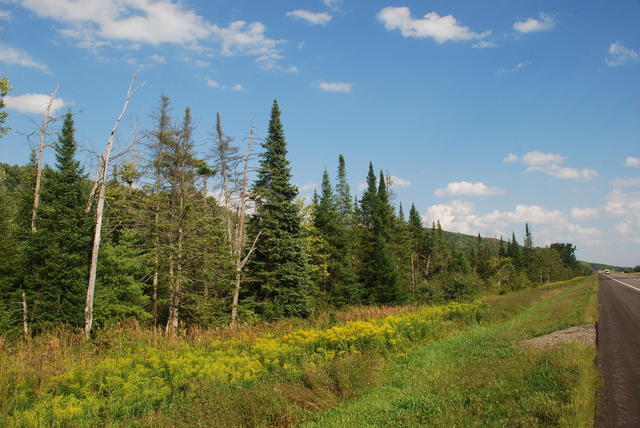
{"x": 120, "y": 289}
{"x": 56, "y": 256}
{"x": 279, "y": 264}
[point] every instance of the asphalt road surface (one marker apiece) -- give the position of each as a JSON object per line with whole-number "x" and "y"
{"x": 619, "y": 351}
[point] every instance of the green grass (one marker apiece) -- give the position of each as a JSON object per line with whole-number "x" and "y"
{"x": 458, "y": 373}
{"x": 482, "y": 377}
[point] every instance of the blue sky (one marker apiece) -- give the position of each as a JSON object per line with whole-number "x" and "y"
{"x": 487, "y": 114}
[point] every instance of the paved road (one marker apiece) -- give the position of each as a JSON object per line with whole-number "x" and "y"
{"x": 619, "y": 351}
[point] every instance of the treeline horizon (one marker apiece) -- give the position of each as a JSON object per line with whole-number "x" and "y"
{"x": 188, "y": 240}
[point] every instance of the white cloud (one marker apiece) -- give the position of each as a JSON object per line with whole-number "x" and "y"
{"x": 632, "y": 162}
{"x": 96, "y": 23}
{"x": 439, "y": 28}
{"x": 581, "y": 213}
{"x": 532, "y": 25}
{"x": 12, "y": 56}
{"x": 551, "y": 164}
{"x": 518, "y": 67}
{"x": 333, "y": 4}
{"x": 237, "y": 87}
{"x": 212, "y": 83}
{"x": 395, "y": 181}
{"x": 240, "y": 38}
{"x": 5, "y": 14}
{"x": 145, "y": 21}
{"x": 313, "y": 18}
{"x": 620, "y": 55}
{"x": 33, "y": 103}
{"x": 552, "y": 225}
{"x": 540, "y": 158}
{"x": 307, "y": 187}
{"x": 335, "y": 86}
{"x": 484, "y": 44}
{"x": 460, "y": 188}
{"x": 158, "y": 59}
{"x": 511, "y": 158}
{"x": 626, "y": 205}
{"x": 558, "y": 171}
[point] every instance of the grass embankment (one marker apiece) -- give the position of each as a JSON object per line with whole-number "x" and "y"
{"x": 295, "y": 373}
{"x": 123, "y": 379}
{"x": 482, "y": 377}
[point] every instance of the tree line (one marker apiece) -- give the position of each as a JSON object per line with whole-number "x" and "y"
{"x": 206, "y": 238}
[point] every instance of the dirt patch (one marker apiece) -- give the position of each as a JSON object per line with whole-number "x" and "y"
{"x": 585, "y": 334}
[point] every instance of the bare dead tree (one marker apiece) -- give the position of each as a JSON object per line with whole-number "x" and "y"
{"x": 88, "y": 310}
{"x": 238, "y": 244}
{"x": 43, "y": 135}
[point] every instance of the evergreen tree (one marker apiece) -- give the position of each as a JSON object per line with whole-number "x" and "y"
{"x": 378, "y": 271}
{"x": 58, "y": 253}
{"x": 527, "y": 251}
{"x": 343, "y": 192}
{"x": 279, "y": 264}
{"x": 514, "y": 252}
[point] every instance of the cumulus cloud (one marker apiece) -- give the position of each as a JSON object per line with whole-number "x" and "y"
{"x": 333, "y": 4}
{"x": 620, "y": 55}
{"x": 581, "y": 213}
{"x": 632, "y": 162}
{"x": 432, "y": 25}
{"x": 395, "y": 181}
{"x": 33, "y": 103}
{"x": 12, "y": 56}
{"x": 484, "y": 44}
{"x": 158, "y": 59}
{"x": 5, "y": 14}
{"x": 96, "y": 23}
{"x": 532, "y": 25}
{"x": 511, "y": 158}
{"x": 307, "y": 187}
{"x": 461, "y": 188}
{"x": 551, "y": 164}
{"x": 313, "y": 18}
{"x": 215, "y": 84}
{"x": 624, "y": 202}
{"x": 335, "y": 86}
{"x": 552, "y": 225}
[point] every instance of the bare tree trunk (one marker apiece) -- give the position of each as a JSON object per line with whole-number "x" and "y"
{"x": 156, "y": 268}
{"x": 94, "y": 187}
{"x": 240, "y": 232}
{"x": 43, "y": 135}
{"x": 88, "y": 310}
{"x": 25, "y": 323}
{"x": 426, "y": 271}
{"x": 173, "y": 303}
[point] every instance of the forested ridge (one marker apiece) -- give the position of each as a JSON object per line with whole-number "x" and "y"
{"x": 219, "y": 235}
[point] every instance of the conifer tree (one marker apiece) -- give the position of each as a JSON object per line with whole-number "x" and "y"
{"x": 343, "y": 192}
{"x": 378, "y": 271}
{"x": 279, "y": 265}
{"x": 58, "y": 255}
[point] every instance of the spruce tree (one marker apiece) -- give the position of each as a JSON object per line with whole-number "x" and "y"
{"x": 378, "y": 272}
{"x": 343, "y": 192}
{"x": 59, "y": 251}
{"x": 279, "y": 264}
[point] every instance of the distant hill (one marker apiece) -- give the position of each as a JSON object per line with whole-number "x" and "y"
{"x": 601, "y": 266}
{"x": 464, "y": 243}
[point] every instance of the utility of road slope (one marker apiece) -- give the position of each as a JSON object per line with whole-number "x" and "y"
{"x": 619, "y": 351}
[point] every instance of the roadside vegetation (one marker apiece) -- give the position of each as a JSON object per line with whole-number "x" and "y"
{"x": 442, "y": 365}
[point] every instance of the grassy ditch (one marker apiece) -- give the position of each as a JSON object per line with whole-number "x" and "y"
{"x": 482, "y": 377}
{"x": 130, "y": 382}
{"x": 448, "y": 365}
